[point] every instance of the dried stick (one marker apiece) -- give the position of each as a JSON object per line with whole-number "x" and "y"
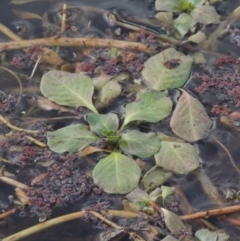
{"x": 64, "y": 15}
{"x": 114, "y": 225}
{"x": 229, "y": 155}
{"x": 210, "y": 213}
{"x": 211, "y": 42}
{"x": 65, "y": 218}
{"x": 110, "y": 223}
{"x": 18, "y": 80}
{"x": 113, "y": 18}
{"x": 121, "y": 214}
{"x": 233, "y": 221}
{"x": 4, "y": 121}
{"x": 208, "y": 186}
{"x": 185, "y": 205}
{"x": 48, "y": 55}
{"x": 7, "y": 213}
{"x": 13, "y": 182}
{"x": 41, "y": 226}
{"x": 36, "y": 142}
{"x": 76, "y": 42}
{"x": 155, "y": 206}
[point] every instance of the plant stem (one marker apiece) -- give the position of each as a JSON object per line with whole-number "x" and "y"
{"x": 13, "y": 182}
{"x": 37, "y": 142}
{"x": 210, "y": 213}
{"x": 18, "y": 80}
{"x": 41, "y": 226}
{"x": 76, "y": 42}
{"x": 7, "y": 213}
{"x": 4, "y": 121}
{"x": 113, "y": 139}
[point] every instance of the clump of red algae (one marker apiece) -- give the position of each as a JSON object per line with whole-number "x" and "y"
{"x": 62, "y": 185}
{"x": 223, "y": 81}
{"x": 125, "y": 61}
{"x": 7, "y": 102}
{"x": 217, "y": 109}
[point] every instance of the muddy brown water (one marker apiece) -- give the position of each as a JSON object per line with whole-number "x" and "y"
{"x": 214, "y": 159}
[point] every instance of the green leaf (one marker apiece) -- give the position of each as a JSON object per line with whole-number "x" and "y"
{"x": 137, "y": 195}
{"x": 71, "y": 138}
{"x": 151, "y": 106}
{"x": 155, "y": 194}
{"x": 110, "y": 91}
{"x": 177, "y": 157}
{"x": 68, "y": 89}
{"x": 103, "y": 125}
{"x": 172, "y": 221}
{"x": 154, "y": 177}
{"x": 100, "y": 81}
{"x": 117, "y": 173}
{"x": 170, "y": 238}
{"x": 189, "y": 119}
{"x": 167, "y": 191}
{"x": 205, "y": 15}
{"x": 161, "y": 77}
{"x": 166, "y": 5}
{"x": 206, "y": 235}
{"x": 143, "y": 145}
{"x": 184, "y": 23}
{"x": 197, "y": 3}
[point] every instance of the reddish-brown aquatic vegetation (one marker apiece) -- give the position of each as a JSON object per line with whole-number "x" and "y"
{"x": 222, "y": 83}
{"x": 7, "y": 102}
{"x": 217, "y": 109}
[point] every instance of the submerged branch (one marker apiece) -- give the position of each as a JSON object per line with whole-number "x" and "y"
{"x": 76, "y": 42}
{"x": 13, "y": 182}
{"x": 47, "y": 55}
{"x": 208, "y": 187}
{"x": 229, "y": 155}
{"x": 7, "y": 213}
{"x": 36, "y": 142}
{"x": 65, "y": 218}
{"x": 41, "y": 226}
{"x": 7, "y": 123}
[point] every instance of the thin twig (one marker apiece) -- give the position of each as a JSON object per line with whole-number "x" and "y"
{"x": 35, "y": 67}
{"x": 121, "y": 214}
{"x": 233, "y": 221}
{"x": 4, "y": 121}
{"x": 13, "y": 182}
{"x": 107, "y": 221}
{"x": 65, "y": 218}
{"x": 114, "y": 20}
{"x": 7, "y": 213}
{"x": 76, "y": 42}
{"x": 229, "y": 155}
{"x": 41, "y": 226}
{"x": 64, "y": 16}
{"x": 18, "y": 80}
{"x": 37, "y": 142}
{"x": 211, "y": 42}
{"x": 210, "y": 213}
{"x": 208, "y": 187}
{"x": 155, "y": 206}
{"x": 48, "y": 55}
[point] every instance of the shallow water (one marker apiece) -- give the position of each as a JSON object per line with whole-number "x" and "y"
{"x": 215, "y": 159}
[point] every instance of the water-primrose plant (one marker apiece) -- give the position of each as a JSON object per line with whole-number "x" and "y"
{"x": 116, "y": 173}
{"x": 120, "y": 137}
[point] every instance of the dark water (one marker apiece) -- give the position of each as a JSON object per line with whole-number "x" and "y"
{"x": 214, "y": 158}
